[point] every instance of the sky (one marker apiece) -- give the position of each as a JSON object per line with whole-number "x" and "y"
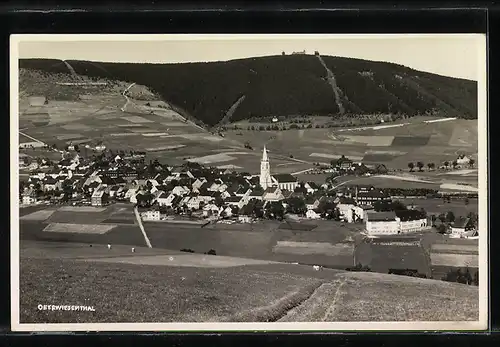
{"x": 445, "y": 54}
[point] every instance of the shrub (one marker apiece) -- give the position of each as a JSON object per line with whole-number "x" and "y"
{"x": 188, "y": 250}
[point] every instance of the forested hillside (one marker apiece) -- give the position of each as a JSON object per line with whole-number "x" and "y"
{"x": 284, "y": 86}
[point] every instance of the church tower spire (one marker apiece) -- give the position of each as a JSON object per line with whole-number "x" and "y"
{"x": 265, "y": 172}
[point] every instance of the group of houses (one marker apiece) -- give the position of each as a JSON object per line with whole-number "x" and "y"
{"x": 210, "y": 193}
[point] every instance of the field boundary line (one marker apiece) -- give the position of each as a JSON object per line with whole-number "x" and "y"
{"x": 138, "y": 217}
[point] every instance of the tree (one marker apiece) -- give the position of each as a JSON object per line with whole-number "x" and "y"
{"x": 471, "y": 163}
{"x": 411, "y": 166}
{"x": 454, "y": 164}
{"x": 398, "y": 206}
{"x": 441, "y": 229}
{"x": 450, "y": 217}
{"x": 446, "y": 164}
{"x": 420, "y": 165}
{"x": 466, "y": 201}
{"x": 442, "y": 217}
{"x": 296, "y": 205}
{"x": 429, "y": 166}
{"x": 433, "y": 219}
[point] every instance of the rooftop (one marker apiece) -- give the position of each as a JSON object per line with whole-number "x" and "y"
{"x": 285, "y": 178}
{"x": 381, "y": 216}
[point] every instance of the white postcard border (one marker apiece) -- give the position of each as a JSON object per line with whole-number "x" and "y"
{"x": 481, "y": 324}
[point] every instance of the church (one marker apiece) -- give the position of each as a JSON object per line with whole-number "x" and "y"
{"x": 266, "y": 180}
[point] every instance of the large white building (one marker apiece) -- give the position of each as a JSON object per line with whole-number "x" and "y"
{"x": 399, "y": 222}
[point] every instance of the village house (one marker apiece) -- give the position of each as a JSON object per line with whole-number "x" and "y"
{"x": 343, "y": 163}
{"x": 195, "y": 202}
{"x": 312, "y": 203}
{"x": 311, "y": 187}
{"x": 151, "y": 215}
{"x": 181, "y": 191}
{"x": 165, "y": 199}
{"x": 463, "y": 160}
{"x": 463, "y": 228}
{"x": 99, "y": 198}
{"x": 236, "y": 201}
{"x": 272, "y": 194}
{"x": 198, "y": 183}
{"x": 257, "y": 194}
{"x": 29, "y": 197}
{"x": 311, "y": 214}
{"x": 371, "y": 196}
{"x": 210, "y": 210}
{"x": 113, "y": 190}
{"x": 299, "y": 192}
{"x": 246, "y": 213}
{"x": 51, "y": 184}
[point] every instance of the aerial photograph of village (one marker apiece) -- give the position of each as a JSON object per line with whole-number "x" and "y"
{"x": 286, "y": 182}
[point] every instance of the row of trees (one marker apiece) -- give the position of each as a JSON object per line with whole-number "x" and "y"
{"x": 431, "y": 166}
{"x": 461, "y": 276}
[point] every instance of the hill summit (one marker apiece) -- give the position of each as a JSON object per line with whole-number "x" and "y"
{"x": 283, "y": 86}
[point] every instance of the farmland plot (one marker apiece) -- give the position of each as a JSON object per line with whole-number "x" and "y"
{"x": 411, "y": 141}
{"x": 137, "y": 119}
{"x": 78, "y": 228}
{"x": 38, "y": 215}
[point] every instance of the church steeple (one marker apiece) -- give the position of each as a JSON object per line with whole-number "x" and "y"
{"x": 264, "y": 154}
{"x": 265, "y": 171}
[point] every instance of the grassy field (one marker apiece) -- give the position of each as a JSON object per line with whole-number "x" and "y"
{"x": 70, "y": 274}
{"x": 133, "y": 293}
{"x": 256, "y": 241}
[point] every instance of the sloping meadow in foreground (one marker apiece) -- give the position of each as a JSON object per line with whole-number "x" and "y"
{"x": 270, "y": 292}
